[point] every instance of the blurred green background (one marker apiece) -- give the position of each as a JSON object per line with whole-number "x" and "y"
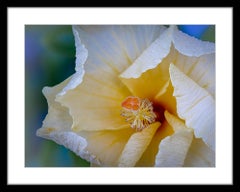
{"x": 50, "y": 59}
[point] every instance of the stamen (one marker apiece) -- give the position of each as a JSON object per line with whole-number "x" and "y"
{"x": 138, "y": 112}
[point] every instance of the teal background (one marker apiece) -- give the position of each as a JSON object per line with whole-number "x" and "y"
{"x": 50, "y": 59}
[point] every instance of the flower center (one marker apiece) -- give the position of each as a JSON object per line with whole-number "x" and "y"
{"x": 138, "y": 112}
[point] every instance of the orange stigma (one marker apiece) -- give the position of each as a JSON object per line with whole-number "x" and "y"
{"x": 131, "y": 103}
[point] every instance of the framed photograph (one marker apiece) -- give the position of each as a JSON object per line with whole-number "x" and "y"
{"x": 120, "y": 96}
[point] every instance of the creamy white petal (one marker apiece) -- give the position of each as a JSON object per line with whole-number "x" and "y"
{"x": 196, "y": 59}
{"x": 191, "y": 46}
{"x": 115, "y": 47}
{"x": 153, "y": 81}
{"x": 148, "y": 157}
{"x": 199, "y": 155}
{"x": 81, "y": 57}
{"x": 58, "y": 117}
{"x": 136, "y": 146}
{"x": 195, "y": 105}
{"x": 152, "y": 56}
{"x": 200, "y": 69}
{"x": 173, "y": 149}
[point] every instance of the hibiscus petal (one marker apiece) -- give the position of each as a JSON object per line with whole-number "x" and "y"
{"x": 136, "y": 146}
{"x": 191, "y": 46}
{"x": 96, "y": 105}
{"x": 81, "y": 57}
{"x": 106, "y": 145}
{"x": 148, "y": 157}
{"x": 195, "y": 105}
{"x": 115, "y": 47}
{"x": 174, "y": 121}
{"x": 200, "y": 69}
{"x": 149, "y": 72}
{"x": 151, "y": 57}
{"x": 151, "y": 82}
{"x": 173, "y": 149}
{"x": 199, "y": 155}
{"x": 58, "y": 117}
{"x": 196, "y": 59}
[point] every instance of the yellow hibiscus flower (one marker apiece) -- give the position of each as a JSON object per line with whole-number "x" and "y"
{"x": 141, "y": 96}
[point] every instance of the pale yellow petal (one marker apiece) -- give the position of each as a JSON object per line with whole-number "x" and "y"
{"x": 57, "y": 125}
{"x": 106, "y": 146}
{"x": 148, "y": 157}
{"x": 195, "y": 105}
{"x": 151, "y": 82}
{"x": 173, "y": 149}
{"x": 199, "y": 155}
{"x": 136, "y": 146}
{"x": 96, "y": 104}
{"x": 58, "y": 117}
{"x": 176, "y": 123}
